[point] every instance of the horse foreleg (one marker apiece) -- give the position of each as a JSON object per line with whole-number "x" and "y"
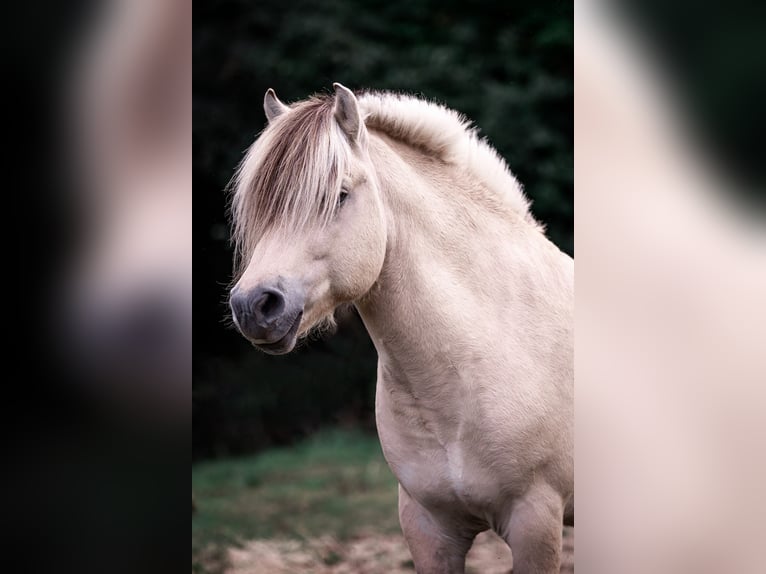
{"x": 436, "y": 548}
{"x": 534, "y": 533}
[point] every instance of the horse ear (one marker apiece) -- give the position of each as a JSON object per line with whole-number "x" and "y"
{"x": 272, "y": 106}
{"x": 347, "y": 112}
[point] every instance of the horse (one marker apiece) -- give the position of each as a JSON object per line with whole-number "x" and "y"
{"x": 396, "y": 205}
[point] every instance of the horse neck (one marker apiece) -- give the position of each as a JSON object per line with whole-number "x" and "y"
{"x": 453, "y": 255}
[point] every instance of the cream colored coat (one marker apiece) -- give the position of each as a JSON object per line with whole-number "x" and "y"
{"x": 470, "y": 308}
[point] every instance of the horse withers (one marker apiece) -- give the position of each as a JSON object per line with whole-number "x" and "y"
{"x": 394, "y": 204}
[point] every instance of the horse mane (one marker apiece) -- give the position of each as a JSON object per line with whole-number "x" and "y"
{"x": 291, "y": 177}
{"x": 447, "y": 135}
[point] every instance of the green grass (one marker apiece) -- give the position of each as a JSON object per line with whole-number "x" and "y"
{"x": 335, "y": 483}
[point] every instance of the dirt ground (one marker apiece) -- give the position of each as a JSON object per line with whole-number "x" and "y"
{"x": 368, "y": 554}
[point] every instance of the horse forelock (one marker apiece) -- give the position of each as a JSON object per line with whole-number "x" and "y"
{"x": 290, "y": 178}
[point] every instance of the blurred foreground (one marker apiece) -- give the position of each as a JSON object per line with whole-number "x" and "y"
{"x": 670, "y": 318}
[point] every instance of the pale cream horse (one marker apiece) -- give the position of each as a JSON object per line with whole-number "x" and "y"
{"x": 395, "y": 205}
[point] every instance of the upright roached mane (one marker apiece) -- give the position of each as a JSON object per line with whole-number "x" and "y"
{"x": 292, "y": 176}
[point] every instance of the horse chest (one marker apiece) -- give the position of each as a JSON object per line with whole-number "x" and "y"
{"x": 445, "y": 477}
{"x": 437, "y": 472}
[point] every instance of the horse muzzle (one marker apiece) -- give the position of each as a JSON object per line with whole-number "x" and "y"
{"x": 269, "y": 315}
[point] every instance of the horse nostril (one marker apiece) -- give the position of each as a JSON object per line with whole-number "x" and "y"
{"x": 268, "y": 304}
{"x": 262, "y": 314}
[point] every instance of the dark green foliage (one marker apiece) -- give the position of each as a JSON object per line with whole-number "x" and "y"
{"x": 507, "y": 66}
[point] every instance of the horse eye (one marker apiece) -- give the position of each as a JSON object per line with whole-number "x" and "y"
{"x": 343, "y": 197}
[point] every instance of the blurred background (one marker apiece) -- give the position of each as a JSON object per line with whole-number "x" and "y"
{"x": 508, "y": 67}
